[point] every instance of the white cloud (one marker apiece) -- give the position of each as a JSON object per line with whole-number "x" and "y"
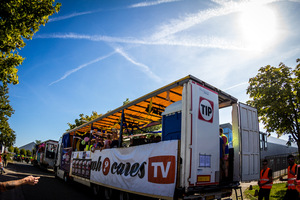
{"x": 91, "y": 37}
{"x": 206, "y": 42}
{"x": 142, "y": 66}
{"x": 235, "y": 86}
{"x": 70, "y": 16}
{"x": 142, "y": 4}
{"x": 119, "y": 50}
{"x": 165, "y": 33}
{"x": 68, "y": 73}
{"x": 190, "y": 20}
{"x": 152, "y": 3}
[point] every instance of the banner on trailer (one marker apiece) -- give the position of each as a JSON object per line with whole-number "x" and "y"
{"x": 81, "y": 164}
{"x": 66, "y": 159}
{"x": 149, "y": 168}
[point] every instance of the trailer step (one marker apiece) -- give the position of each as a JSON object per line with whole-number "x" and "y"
{"x": 238, "y": 190}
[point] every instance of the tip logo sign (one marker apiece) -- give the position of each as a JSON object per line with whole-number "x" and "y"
{"x": 206, "y": 110}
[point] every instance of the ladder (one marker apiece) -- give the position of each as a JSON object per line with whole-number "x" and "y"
{"x": 240, "y": 195}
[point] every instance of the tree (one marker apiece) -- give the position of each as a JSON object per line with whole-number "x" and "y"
{"x": 23, "y": 152}
{"x": 11, "y": 149}
{"x": 83, "y": 119}
{"x": 148, "y": 129}
{"x": 28, "y": 153}
{"x": 16, "y": 150}
{"x": 19, "y": 20}
{"x": 38, "y": 141}
{"x": 33, "y": 152}
{"x": 7, "y": 136}
{"x": 275, "y": 92}
{"x": 126, "y": 101}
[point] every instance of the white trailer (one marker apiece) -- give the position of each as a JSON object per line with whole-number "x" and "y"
{"x": 184, "y": 165}
{"x": 45, "y": 153}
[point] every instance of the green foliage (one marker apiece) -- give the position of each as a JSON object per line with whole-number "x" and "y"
{"x": 33, "y": 152}
{"x": 23, "y": 152}
{"x": 16, "y": 150}
{"x": 19, "y": 20}
{"x": 11, "y": 149}
{"x": 38, "y": 141}
{"x": 277, "y": 192}
{"x": 275, "y": 92}
{"x": 83, "y": 119}
{"x": 9, "y": 156}
{"x": 126, "y": 101}
{"x": 7, "y": 136}
{"x": 148, "y": 129}
{"x": 28, "y": 153}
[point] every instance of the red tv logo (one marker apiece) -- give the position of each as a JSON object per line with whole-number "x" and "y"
{"x": 206, "y": 110}
{"x": 161, "y": 169}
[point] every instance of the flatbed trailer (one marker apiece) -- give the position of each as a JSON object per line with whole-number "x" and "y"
{"x": 185, "y": 164}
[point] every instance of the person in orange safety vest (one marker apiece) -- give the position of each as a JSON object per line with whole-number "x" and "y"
{"x": 265, "y": 182}
{"x": 291, "y": 192}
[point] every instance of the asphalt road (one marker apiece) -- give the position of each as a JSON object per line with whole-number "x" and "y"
{"x": 48, "y": 187}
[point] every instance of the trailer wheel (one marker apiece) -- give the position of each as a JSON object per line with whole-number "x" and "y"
{"x": 108, "y": 193}
{"x": 124, "y": 195}
{"x": 96, "y": 190}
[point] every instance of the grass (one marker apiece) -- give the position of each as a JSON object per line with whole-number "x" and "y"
{"x": 277, "y": 192}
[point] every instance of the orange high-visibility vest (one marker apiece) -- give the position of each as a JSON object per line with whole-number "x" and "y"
{"x": 264, "y": 178}
{"x": 291, "y": 177}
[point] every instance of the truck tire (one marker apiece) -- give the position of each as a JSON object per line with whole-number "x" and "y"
{"x": 96, "y": 189}
{"x": 108, "y": 193}
{"x": 124, "y": 195}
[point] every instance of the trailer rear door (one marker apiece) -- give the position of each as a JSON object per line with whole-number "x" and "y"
{"x": 249, "y": 132}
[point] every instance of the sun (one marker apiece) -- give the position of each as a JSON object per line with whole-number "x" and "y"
{"x": 258, "y": 27}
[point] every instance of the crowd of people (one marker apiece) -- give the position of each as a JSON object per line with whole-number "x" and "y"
{"x": 110, "y": 140}
{"x": 100, "y": 141}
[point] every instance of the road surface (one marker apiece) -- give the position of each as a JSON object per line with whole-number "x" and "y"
{"x": 48, "y": 187}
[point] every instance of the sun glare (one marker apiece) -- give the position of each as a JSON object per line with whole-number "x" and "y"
{"x": 258, "y": 27}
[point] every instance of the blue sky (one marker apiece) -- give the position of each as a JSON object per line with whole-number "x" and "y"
{"x": 93, "y": 55}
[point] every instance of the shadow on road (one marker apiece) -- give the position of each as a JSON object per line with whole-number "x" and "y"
{"x": 48, "y": 187}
